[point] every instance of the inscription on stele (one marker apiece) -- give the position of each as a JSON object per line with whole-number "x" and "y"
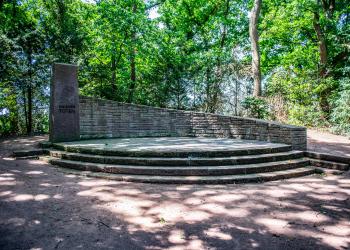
{"x": 66, "y": 108}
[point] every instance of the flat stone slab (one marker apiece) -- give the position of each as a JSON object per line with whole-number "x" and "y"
{"x": 171, "y": 144}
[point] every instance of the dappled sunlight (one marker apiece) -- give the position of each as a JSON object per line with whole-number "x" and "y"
{"x": 322, "y": 197}
{"x": 310, "y": 212}
{"x": 341, "y": 229}
{"x": 27, "y": 197}
{"x": 7, "y": 174}
{"x": 34, "y": 172}
{"x": 177, "y": 237}
{"x": 219, "y": 209}
{"x": 271, "y": 207}
{"x": 16, "y": 222}
{"x": 297, "y": 187}
{"x": 344, "y": 181}
{"x": 306, "y": 216}
{"x": 280, "y": 192}
{"x": 227, "y": 197}
{"x": 192, "y": 243}
{"x": 275, "y": 225}
{"x": 7, "y": 181}
{"x": 8, "y": 158}
{"x": 47, "y": 184}
{"x": 37, "y": 162}
{"x": 193, "y": 201}
{"x": 57, "y": 196}
{"x": 19, "y": 143}
{"x": 5, "y": 193}
{"x": 337, "y": 242}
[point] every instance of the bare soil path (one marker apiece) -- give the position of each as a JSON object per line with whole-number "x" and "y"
{"x": 44, "y": 208}
{"x": 328, "y": 143}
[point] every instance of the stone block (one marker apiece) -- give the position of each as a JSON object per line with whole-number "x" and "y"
{"x": 64, "y": 103}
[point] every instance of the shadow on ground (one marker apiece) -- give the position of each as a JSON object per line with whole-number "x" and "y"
{"x": 42, "y": 208}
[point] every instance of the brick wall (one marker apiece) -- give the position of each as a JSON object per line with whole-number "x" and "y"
{"x": 103, "y": 119}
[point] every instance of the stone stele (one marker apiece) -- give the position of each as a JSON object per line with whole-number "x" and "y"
{"x": 64, "y": 103}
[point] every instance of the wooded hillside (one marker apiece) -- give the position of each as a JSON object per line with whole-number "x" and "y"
{"x": 185, "y": 54}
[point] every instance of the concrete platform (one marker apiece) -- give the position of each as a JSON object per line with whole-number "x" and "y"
{"x": 180, "y": 160}
{"x": 171, "y": 144}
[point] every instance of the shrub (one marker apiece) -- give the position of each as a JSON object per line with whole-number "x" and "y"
{"x": 340, "y": 116}
{"x": 256, "y": 107}
{"x": 306, "y": 115}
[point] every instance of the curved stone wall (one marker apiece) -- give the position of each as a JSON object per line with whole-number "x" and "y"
{"x": 104, "y": 119}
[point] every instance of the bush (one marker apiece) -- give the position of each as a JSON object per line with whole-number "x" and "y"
{"x": 340, "y": 116}
{"x": 256, "y": 107}
{"x": 306, "y": 115}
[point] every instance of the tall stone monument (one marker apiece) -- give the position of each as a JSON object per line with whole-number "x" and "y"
{"x": 64, "y": 103}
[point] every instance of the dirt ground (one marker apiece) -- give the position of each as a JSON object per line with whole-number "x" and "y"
{"x": 44, "y": 208}
{"x": 328, "y": 143}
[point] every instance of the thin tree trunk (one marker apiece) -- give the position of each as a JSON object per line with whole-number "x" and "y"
{"x": 178, "y": 94}
{"x": 236, "y": 98}
{"x": 30, "y": 109}
{"x": 132, "y": 61}
{"x": 132, "y": 76}
{"x": 24, "y": 94}
{"x": 207, "y": 90}
{"x": 114, "y": 64}
{"x": 254, "y": 37}
{"x": 30, "y": 97}
{"x": 14, "y": 119}
{"x": 114, "y": 74}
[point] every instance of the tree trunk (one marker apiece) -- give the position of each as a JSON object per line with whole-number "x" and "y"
{"x": 207, "y": 90}
{"x": 324, "y": 103}
{"x": 30, "y": 97}
{"x": 114, "y": 74}
{"x": 30, "y": 109}
{"x": 178, "y": 93}
{"x": 321, "y": 45}
{"x": 132, "y": 76}
{"x": 24, "y": 94}
{"x": 132, "y": 62}
{"x": 254, "y": 37}
{"x": 236, "y": 97}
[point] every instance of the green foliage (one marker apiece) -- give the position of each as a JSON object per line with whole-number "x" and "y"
{"x": 303, "y": 94}
{"x": 256, "y": 107}
{"x": 193, "y": 54}
{"x": 340, "y": 117}
{"x": 306, "y": 115}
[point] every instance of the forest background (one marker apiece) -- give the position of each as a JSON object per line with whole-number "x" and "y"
{"x": 183, "y": 54}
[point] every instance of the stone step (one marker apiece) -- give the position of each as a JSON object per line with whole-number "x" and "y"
{"x": 181, "y": 171}
{"x": 327, "y": 157}
{"x": 223, "y": 179}
{"x": 161, "y": 161}
{"x": 174, "y": 153}
{"x": 329, "y": 164}
{"x": 19, "y": 154}
{"x": 33, "y": 157}
{"x": 327, "y": 171}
